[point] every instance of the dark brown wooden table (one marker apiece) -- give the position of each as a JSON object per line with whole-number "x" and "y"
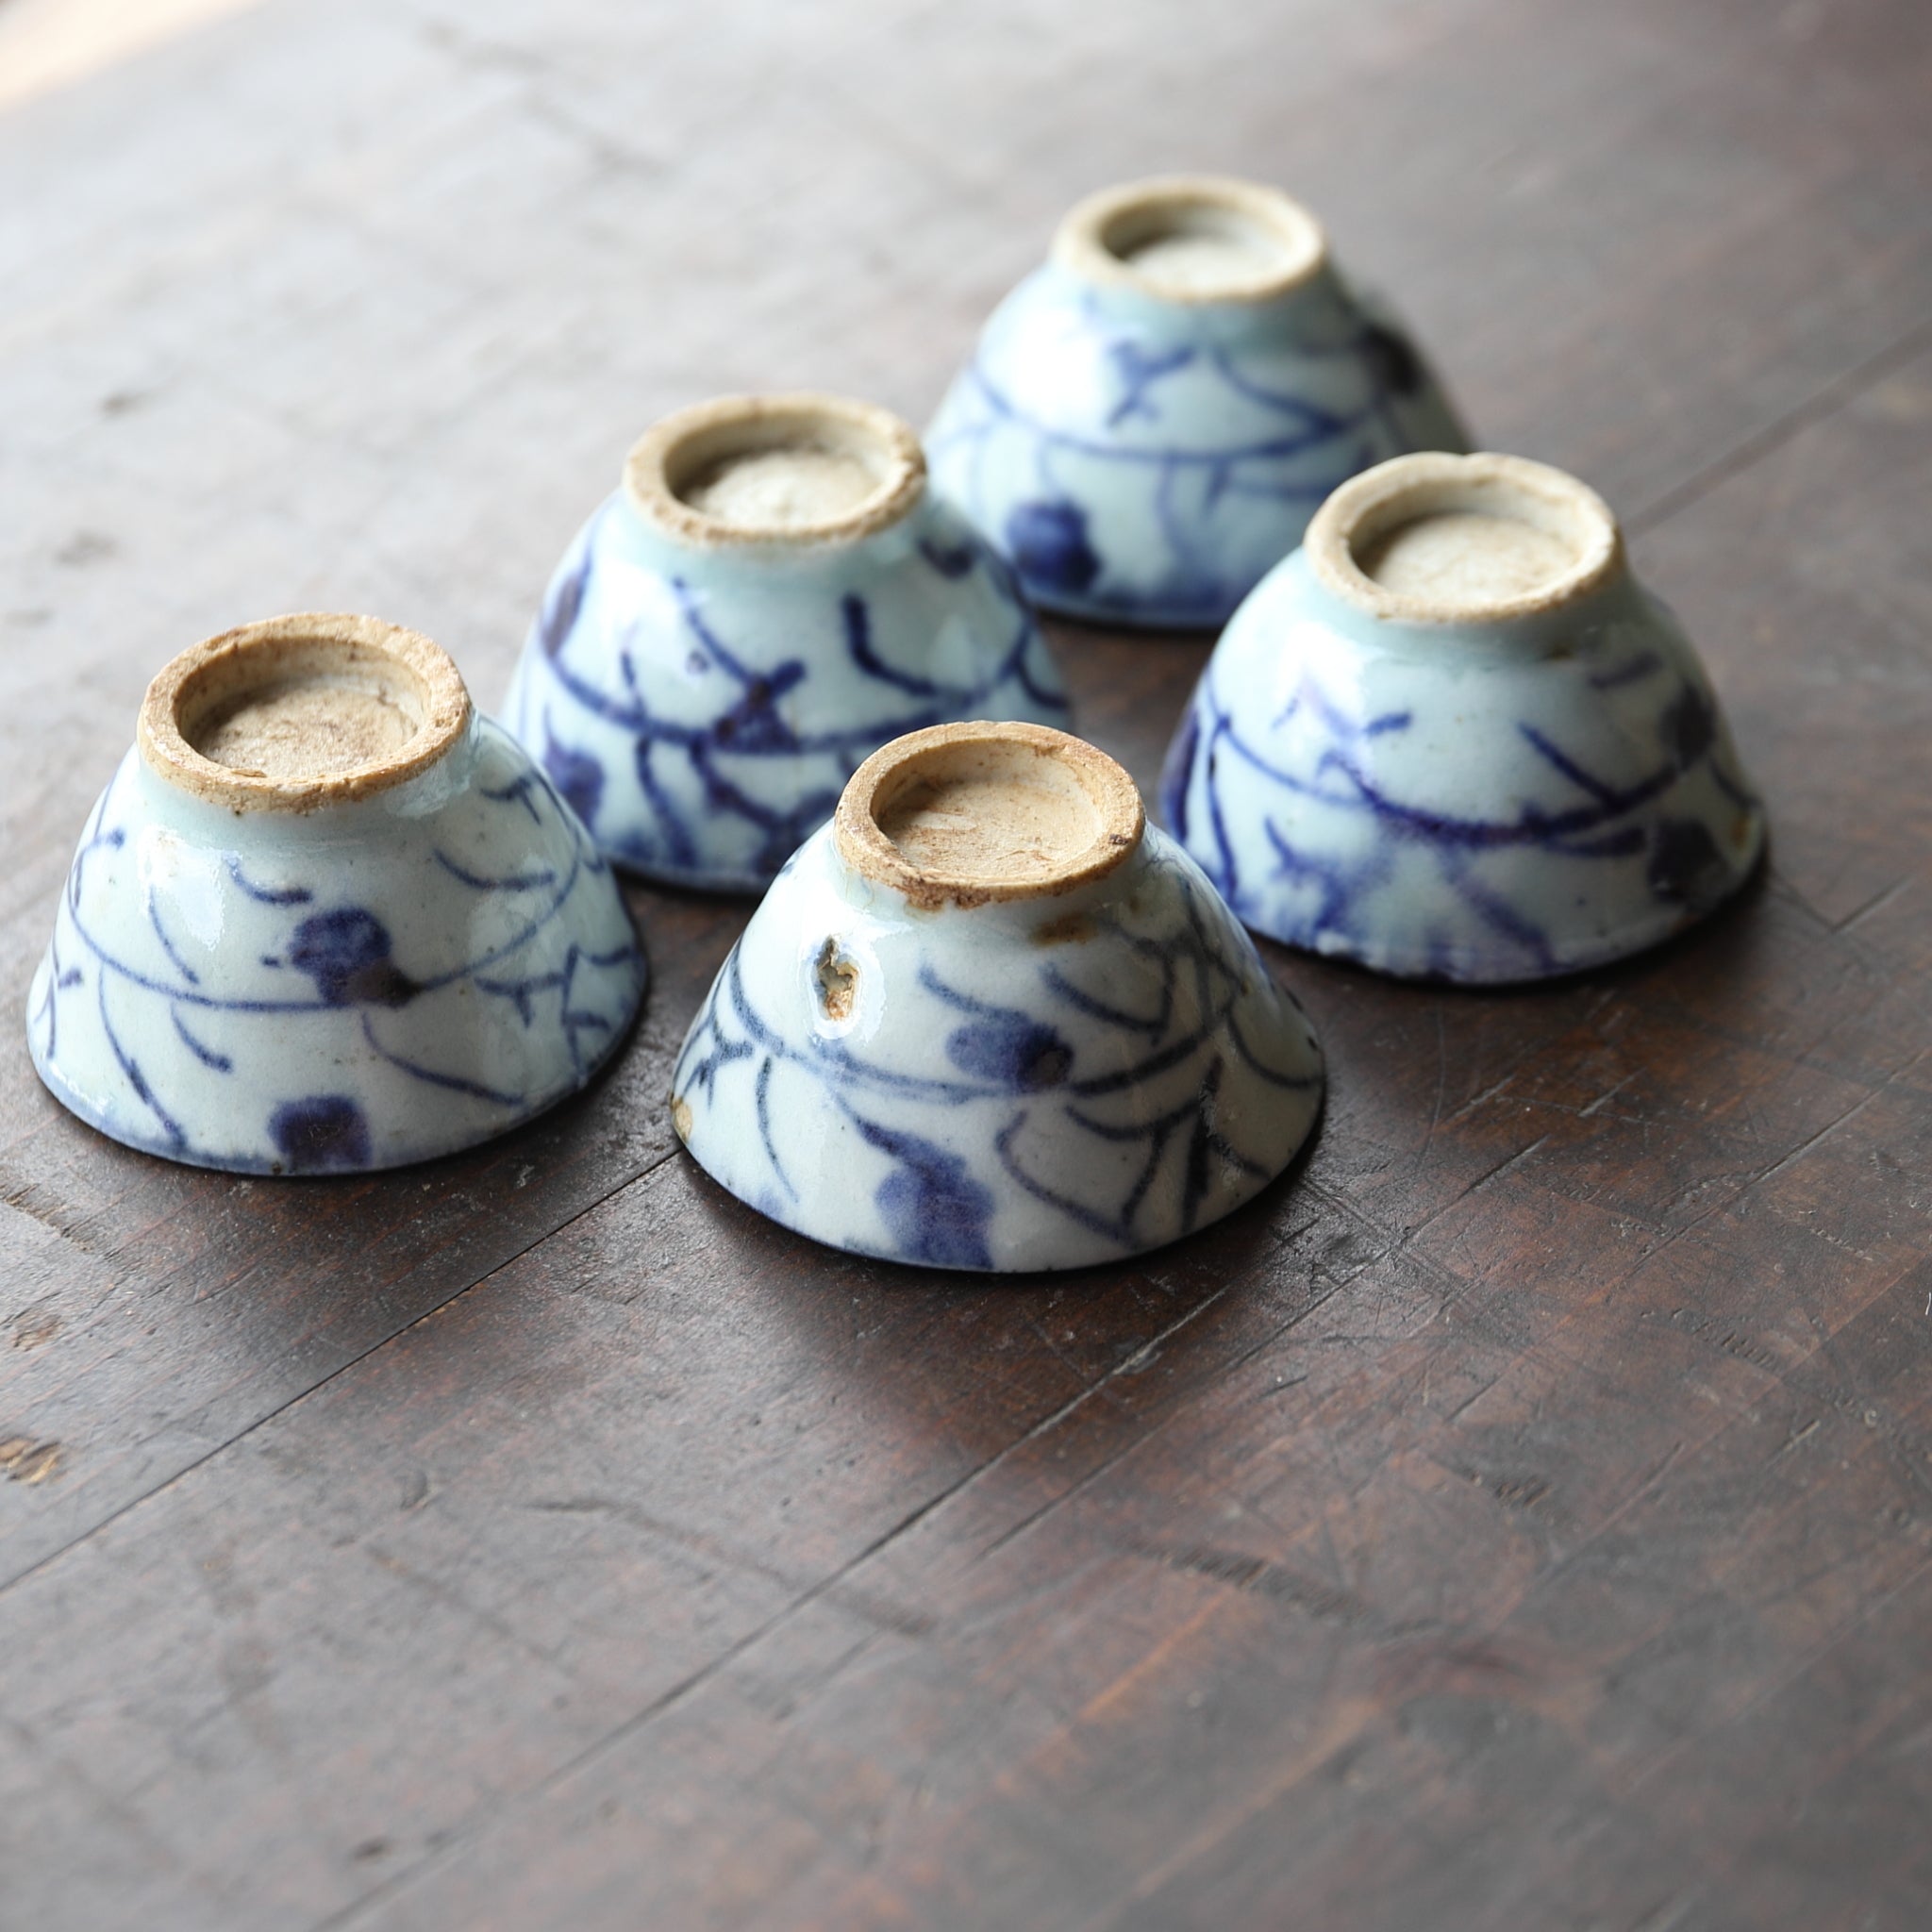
{"x": 1520, "y": 1518}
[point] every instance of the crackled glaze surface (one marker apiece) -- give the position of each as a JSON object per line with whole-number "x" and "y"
{"x": 1483, "y": 802}
{"x": 701, "y": 710}
{"x": 1031, "y": 1084}
{"x": 1147, "y": 461}
{"x": 370, "y": 983}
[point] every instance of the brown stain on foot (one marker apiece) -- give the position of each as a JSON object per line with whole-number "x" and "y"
{"x": 1069, "y": 929}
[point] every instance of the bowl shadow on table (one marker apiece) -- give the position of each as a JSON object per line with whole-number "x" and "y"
{"x": 330, "y": 1250}
{"x": 192, "y": 1303}
{"x": 1429, "y": 1080}
{"x": 939, "y": 1339}
{"x": 1200, "y": 638}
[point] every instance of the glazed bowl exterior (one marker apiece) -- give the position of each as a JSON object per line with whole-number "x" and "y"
{"x": 359, "y": 985}
{"x": 1146, "y": 461}
{"x": 1031, "y": 1085}
{"x": 701, "y": 705}
{"x": 1474, "y": 801}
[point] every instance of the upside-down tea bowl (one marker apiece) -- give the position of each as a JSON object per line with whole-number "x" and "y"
{"x": 325, "y": 917}
{"x": 989, "y": 1019}
{"x": 1149, "y": 420}
{"x": 1453, "y": 737}
{"x": 772, "y": 594}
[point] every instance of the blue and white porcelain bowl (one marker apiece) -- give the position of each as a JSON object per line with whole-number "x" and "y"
{"x": 772, "y": 595}
{"x": 989, "y": 1020}
{"x": 1454, "y": 738}
{"x": 1150, "y": 419}
{"x": 326, "y": 918}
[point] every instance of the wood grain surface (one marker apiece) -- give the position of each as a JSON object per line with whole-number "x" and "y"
{"x": 1521, "y": 1516}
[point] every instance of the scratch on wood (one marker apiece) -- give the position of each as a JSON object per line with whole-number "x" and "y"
{"x": 1745, "y": 1349}
{"x": 25, "y": 1461}
{"x": 1609, "y": 1094}
{"x": 1468, "y": 1402}
{"x": 30, "y": 1200}
{"x": 1282, "y": 1384}
{"x": 1520, "y": 1492}
{"x": 1442, "y": 1082}
{"x": 1781, "y": 429}
{"x": 861, "y": 1603}
{"x": 33, "y": 1328}
{"x": 1406, "y": 1240}
{"x": 1262, "y": 1577}
{"x": 1831, "y": 1126}
{"x": 1512, "y": 1492}
{"x": 1877, "y": 904}
{"x": 1664, "y": 1918}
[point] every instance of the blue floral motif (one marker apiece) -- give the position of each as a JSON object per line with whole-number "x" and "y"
{"x": 193, "y": 1000}
{"x": 346, "y": 952}
{"x": 1329, "y": 823}
{"x": 1148, "y": 463}
{"x": 705, "y": 719}
{"x": 1048, "y": 544}
{"x": 999, "y": 1043}
{"x": 1685, "y": 866}
{"x": 317, "y": 1135}
{"x": 935, "y": 1211}
{"x": 577, "y": 775}
{"x": 1086, "y": 1090}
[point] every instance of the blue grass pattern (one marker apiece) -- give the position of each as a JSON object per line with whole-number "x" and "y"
{"x": 1291, "y": 453}
{"x": 1013, "y": 1066}
{"x": 345, "y": 954}
{"x": 1324, "y": 907}
{"x": 743, "y": 778}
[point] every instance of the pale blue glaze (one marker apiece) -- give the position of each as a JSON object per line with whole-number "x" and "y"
{"x": 1144, "y": 461}
{"x": 1464, "y": 802}
{"x": 1034, "y": 1084}
{"x": 703, "y": 708}
{"x": 367, "y": 984}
